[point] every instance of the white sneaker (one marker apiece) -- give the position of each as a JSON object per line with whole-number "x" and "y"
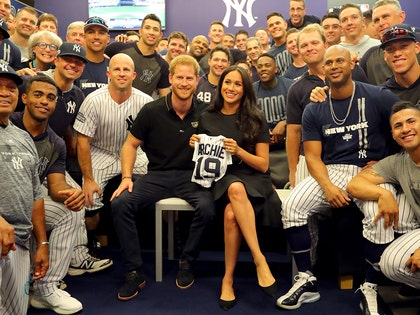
{"x": 59, "y": 301}
{"x": 305, "y": 290}
{"x": 371, "y": 302}
{"x": 90, "y": 264}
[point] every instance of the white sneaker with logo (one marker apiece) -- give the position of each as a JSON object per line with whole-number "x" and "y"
{"x": 59, "y": 301}
{"x": 90, "y": 264}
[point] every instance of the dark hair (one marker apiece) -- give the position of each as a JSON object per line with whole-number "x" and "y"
{"x": 250, "y": 118}
{"x": 153, "y": 17}
{"x": 330, "y": 15}
{"x": 39, "y": 78}
{"x": 267, "y": 55}
{"x": 222, "y": 49}
{"x": 179, "y": 35}
{"x": 271, "y": 14}
{"x": 400, "y": 105}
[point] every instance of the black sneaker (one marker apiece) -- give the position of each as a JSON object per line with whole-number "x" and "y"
{"x": 185, "y": 277}
{"x": 134, "y": 281}
{"x": 370, "y": 300}
{"x": 305, "y": 290}
{"x": 409, "y": 293}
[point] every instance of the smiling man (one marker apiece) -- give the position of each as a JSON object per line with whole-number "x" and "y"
{"x": 163, "y": 128}
{"x": 107, "y": 111}
{"x": 97, "y": 38}
{"x": 152, "y": 70}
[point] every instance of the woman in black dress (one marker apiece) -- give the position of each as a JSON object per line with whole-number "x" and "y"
{"x": 245, "y": 189}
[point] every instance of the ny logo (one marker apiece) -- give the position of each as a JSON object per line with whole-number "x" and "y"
{"x": 76, "y": 48}
{"x": 362, "y": 154}
{"x": 17, "y": 163}
{"x": 71, "y": 107}
{"x": 129, "y": 122}
{"x": 147, "y": 76}
{"x": 238, "y": 6}
{"x": 3, "y": 67}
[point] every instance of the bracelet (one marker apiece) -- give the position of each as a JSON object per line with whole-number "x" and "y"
{"x": 43, "y": 243}
{"x": 124, "y": 177}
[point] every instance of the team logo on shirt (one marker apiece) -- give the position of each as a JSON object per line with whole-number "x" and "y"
{"x": 243, "y": 9}
{"x": 17, "y": 163}
{"x": 147, "y": 76}
{"x": 71, "y": 107}
{"x": 129, "y": 122}
{"x": 80, "y": 117}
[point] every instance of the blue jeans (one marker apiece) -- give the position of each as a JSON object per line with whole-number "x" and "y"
{"x": 147, "y": 190}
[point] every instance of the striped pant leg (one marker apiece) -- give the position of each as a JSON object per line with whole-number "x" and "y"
{"x": 376, "y": 233}
{"x": 395, "y": 256}
{"x": 14, "y": 279}
{"x": 301, "y": 170}
{"x": 62, "y": 225}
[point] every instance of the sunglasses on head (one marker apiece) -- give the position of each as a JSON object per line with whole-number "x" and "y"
{"x": 395, "y": 34}
{"x": 96, "y": 20}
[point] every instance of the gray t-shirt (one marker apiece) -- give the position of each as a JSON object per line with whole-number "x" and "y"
{"x": 19, "y": 184}
{"x": 400, "y": 169}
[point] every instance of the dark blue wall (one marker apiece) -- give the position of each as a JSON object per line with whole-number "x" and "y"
{"x": 194, "y": 16}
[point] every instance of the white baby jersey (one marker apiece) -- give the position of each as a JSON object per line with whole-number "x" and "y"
{"x": 211, "y": 160}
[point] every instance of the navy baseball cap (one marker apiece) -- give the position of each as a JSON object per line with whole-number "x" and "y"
{"x": 4, "y": 29}
{"x": 9, "y": 72}
{"x": 96, "y": 20}
{"x": 398, "y": 32}
{"x": 72, "y": 49}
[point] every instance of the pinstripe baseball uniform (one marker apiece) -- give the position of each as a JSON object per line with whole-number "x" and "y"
{"x": 398, "y": 169}
{"x": 107, "y": 124}
{"x": 19, "y": 187}
{"x": 61, "y": 223}
{"x": 347, "y": 145}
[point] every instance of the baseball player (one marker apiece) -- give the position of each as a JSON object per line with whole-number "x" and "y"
{"x": 341, "y": 135}
{"x": 103, "y": 122}
{"x": 22, "y": 199}
{"x": 394, "y": 211}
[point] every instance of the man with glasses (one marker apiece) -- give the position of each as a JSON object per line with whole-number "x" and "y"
{"x": 298, "y": 17}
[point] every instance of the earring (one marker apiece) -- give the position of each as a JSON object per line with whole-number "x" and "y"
{"x": 33, "y": 55}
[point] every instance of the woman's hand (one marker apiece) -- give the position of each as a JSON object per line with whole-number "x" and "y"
{"x": 231, "y": 146}
{"x": 194, "y": 138}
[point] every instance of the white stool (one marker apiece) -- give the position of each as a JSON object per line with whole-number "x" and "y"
{"x": 170, "y": 205}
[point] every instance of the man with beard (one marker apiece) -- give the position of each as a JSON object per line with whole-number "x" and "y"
{"x": 342, "y": 135}
{"x": 163, "y": 128}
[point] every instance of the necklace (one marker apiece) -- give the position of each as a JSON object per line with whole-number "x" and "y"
{"x": 337, "y": 120}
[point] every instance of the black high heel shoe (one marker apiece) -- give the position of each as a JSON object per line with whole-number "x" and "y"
{"x": 227, "y": 305}
{"x": 271, "y": 290}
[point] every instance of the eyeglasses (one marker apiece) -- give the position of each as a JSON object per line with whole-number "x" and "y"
{"x": 397, "y": 33}
{"x": 96, "y": 20}
{"x": 43, "y": 45}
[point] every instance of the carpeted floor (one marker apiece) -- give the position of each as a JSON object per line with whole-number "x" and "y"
{"x": 98, "y": 292}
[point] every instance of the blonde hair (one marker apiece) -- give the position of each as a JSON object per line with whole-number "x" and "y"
{"x": 184, "y": 60}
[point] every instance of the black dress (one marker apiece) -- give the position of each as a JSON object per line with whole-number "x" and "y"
{"x": 264, "y": 199}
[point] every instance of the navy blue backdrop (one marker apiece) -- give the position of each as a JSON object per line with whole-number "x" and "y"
{"x": 194, "y": 16}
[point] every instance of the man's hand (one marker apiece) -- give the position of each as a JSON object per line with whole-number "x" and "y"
{"x": 278, "y": 133}
{"x": 337, "y": 197}
{"x": 388, "y": 209}
{"x": 319, "y": 94}
{"x": 7, "y": 237}
{"x": 126, "y": 183}
{"x": 89, "y": 188}
{"x": 414, "y": 261}
{"x": 41, "y": 262}
{"x": 75, "y": 199}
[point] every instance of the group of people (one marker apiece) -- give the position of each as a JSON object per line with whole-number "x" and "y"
{"x": 206, "y": 123}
